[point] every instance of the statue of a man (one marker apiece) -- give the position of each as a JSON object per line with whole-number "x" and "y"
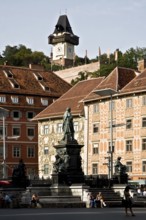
{"x": 119, "y": 167}
{"x": 68, "y": 127}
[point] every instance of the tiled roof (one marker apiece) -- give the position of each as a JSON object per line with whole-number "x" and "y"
{"x": 33, "y": 82}
{"x": 116, "y": 80}
{"x": 138, "y": 84}
{"x": 72, "y": 98}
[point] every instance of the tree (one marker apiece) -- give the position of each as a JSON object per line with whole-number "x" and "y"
{"x": 81, "y": 76}
{"x": 22, "y": 56}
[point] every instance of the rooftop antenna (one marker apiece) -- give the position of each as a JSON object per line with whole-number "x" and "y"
{"x": 66, "y": 11}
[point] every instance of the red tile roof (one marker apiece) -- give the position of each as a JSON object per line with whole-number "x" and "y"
{"x": 116, "y": 80}
{"x": 138, "y": 84}
{"x": 70, "y": 99}
{"x": 27, "y": 83}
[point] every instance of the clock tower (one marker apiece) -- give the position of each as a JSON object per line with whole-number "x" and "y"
{"x": 63, "y": 41}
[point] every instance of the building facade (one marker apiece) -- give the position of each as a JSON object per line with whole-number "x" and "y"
{"x": 24, "y": 93}
{"x": 51, "y": 119}
{"x": 128, "y": 127}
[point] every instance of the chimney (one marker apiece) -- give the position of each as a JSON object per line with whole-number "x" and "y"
{"x": 36, "y": 67}
{"x": 141, "y": 65}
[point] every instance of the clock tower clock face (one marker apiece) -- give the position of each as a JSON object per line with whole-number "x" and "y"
{"x": 58, "y": 50}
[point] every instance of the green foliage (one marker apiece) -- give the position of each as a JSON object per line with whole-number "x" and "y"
{"x": 22, "y": 56}
{"x": 81, "y": 76}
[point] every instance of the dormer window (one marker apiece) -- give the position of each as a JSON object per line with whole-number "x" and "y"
{"x": 8, "y": 73}
{"x": 30, "y": 100}
{"x": 14, "y": 83}
{"x": 38, "y": 76}
{"x": 45, "y": 86}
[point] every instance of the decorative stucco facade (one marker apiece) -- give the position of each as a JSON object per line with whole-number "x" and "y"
{"x": 50, "y": 133}
{"x": 129, "y": 135}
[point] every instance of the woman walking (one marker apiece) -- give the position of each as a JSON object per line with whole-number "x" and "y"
{"x": 127, "y": 201}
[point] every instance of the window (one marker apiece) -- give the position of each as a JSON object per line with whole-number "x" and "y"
{"x": 95, "y": 108}
{"x": 46, "y": 169}
{"x": 143, "y": 122}
{"x": 95, "y": 148}
{"x": 144, "y": 144}
{"x": 76, "y": 126}
{"x": 44, "y": 101}
{"x": 16, "y": 131}
{"x": 94, "y": 168}
{"x": 31, "y": 152}
{"x": 144, "y": 100}
{"x": 17, "y": 151}
{"x": 59, "y": 128}
{"x": 30, "y": 115}
{"x": 129, "y": 145}
{"x": 30, "y": 101}
{"x": 30, "y": 132}
{"x": 143, "y": 166}
{"x": 16, "y": 115}
{"x": 2, "y": 99}
{"x": 128, "y": 103}
{"x": 96, "y": 128}
{"x": 46, "y": 129}
{"x": 128, "y": 124}
{"x": 15, "y": 99}
{"x": 129, "y": 166}
{"x": 46, "y": 150}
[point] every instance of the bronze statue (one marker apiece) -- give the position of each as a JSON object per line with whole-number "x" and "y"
{"x": 119, "y": 167}
{"x": 68, "y": 127}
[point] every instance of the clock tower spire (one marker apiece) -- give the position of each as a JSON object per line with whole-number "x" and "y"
{"x": 63, "y": 41}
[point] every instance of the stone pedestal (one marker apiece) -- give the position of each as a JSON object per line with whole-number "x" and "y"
{"x": 67, "y": 167}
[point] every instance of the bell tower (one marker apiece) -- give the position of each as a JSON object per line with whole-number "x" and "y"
{"x": 63, "y": 41}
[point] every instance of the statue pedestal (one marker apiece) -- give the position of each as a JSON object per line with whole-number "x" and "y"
{"x": 67, "y": 167}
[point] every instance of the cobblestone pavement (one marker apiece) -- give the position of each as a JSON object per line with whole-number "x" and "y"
{"x": 70, "y": 214}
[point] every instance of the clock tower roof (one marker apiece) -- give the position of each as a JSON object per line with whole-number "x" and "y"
{"x": 63, "y": 32}
{"x": 63, "y": 25}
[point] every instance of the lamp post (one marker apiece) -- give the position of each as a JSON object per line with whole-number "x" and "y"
{"x": 109, "y": 92}
{"x": 3, "y": 114}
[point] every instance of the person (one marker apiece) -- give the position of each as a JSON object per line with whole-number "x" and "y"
{"x": 7, "y": 200}
{"x": 68, "y": 127}
{"x": 92, "y": 200}
{"x": 34, "y": 200}
{"x": 127, "y": 201}
{"x": 100, "y": 200}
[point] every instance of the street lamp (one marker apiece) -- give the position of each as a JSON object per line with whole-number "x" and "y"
{"x": 3, "y": 114}
{"x": 109, "y": 92}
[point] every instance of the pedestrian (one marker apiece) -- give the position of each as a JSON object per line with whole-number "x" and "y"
{"x": 34, "y": 200}
{"x": 100, "y": 200}
{"x": 92, "y": 203}
{"x": 127, "y": 201}
{"x": 7, "y": 200}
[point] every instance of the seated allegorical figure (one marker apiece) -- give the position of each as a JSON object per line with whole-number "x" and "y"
{"x": 119, "y": 167}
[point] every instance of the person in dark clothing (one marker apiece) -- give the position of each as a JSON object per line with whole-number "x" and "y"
{"x": 127, "y": 201}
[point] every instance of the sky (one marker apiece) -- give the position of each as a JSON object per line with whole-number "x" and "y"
{"x": 108, "y": 24}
